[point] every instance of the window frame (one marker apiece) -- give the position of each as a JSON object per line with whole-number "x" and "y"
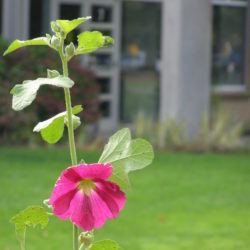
{"x": 243, "y": 89}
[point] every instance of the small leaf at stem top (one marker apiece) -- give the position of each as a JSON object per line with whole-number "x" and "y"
{"x": 19, "y": 44}
{"x": 69, "y": 25}
{"x": 91, "y": 41}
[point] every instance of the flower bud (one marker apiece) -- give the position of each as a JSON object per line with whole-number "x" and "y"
{"x": 70, "y": 50}
{"x": 55, "y": 41}
{"x": 52, "y": 73}
{"x": 55, "y": 27}
{"x": 75, "y": 119}
{"x": 62, "y": 34}
{"x": 86, "y": 238}
{"x": 108, "y": 41}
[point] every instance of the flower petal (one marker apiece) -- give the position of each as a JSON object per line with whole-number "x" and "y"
{"x": 61, "y": 188}
{"x": 94, "y": 171}
{"x": 70, "y": 174}
{"x": 101, "y": 210}
{"x": 62, "y": 204}
{"x": 109, "y": 190}
{"x": 81, "y": 211}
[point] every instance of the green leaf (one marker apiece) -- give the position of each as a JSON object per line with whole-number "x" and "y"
{"x": 115, "y": 146}
{"x": 54, "y": 131}
{"x": 31, "y": 216}
{"x": 77, "y": 109}
{"x": 105, "y": 245}
{"x": 52, "y": 73}
{"x": 53, "y": 128}
{"x": 68, "y": 26}
{"x": 91, "y": 41}
{"x": 19, "y": 44}
{"x": 126, "y": 155}
{"x": 24, "y": 94}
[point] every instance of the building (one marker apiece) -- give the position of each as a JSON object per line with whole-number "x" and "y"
{"x": 168, "y": 56}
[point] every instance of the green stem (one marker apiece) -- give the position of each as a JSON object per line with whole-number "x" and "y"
{"x": 70, "y": 131}
{"x": 22, "y": 244}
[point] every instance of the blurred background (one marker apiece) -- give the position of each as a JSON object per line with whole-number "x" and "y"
{"x": 178, "y": 69}
{"x": 178, "y": 76}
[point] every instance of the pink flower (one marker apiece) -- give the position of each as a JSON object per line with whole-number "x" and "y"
{"x": 83, "y": 195}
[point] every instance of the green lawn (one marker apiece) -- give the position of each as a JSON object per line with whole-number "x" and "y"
{"x": 189, "y": 202}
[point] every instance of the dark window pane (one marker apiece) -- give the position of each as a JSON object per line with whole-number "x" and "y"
{"x": 36, "y": 17}
{"x": 101, "y": 14}
{"x": 105, "y": 108}
{"x": 69, "y": 12}
{"x": 229, "y": 30}
{"x": 104, "y": 84}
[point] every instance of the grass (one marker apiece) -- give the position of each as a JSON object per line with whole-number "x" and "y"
{"x": 184, "y": 202}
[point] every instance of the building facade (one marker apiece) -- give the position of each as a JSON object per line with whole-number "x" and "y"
{"x": 168, "y": 56}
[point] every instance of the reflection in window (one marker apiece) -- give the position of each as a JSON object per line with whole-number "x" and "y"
{"x": 229, "y": 29}
{"x": 69, "y": 12}
{"x": 102, "y": 14}
{"x": 140, "y": 59}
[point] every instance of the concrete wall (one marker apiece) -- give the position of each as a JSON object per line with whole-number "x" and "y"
{"x": 185, "y": 88}
{"x": 15, "y": 19}
{"x": 238, "y": 108}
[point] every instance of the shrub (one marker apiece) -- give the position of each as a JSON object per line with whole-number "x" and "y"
{"x": 48, "y": 102}
{"x": 217, "y": 133}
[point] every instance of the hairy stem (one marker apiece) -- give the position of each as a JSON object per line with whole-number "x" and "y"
{"x": 22, "y": 244}
{"x": 70, "y": 131}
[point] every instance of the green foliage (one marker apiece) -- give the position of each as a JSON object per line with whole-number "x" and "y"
{"x": 24, "y": 94}
{"x": 52, "y": 73}
{"x": 68, "y": 26}
{"x": 27, "y": 63}
{"x": 70, "y": 51}
{"x": 126, "y": 155}
{"x": 105, "y": 245}
{"x": 31, "y": 216}
{"x": 218, "y": 132}
{"x": 53, "y": 128}
{"x": 180, "y": 194}
{"x": 91, "y": 41}
{"x": 19, "y": 44}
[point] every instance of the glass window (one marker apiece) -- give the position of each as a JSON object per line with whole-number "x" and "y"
{"x": 229, "y": 45}
{"x": 104, "y": 84}
{"x": 101, "y": 13}
{"x": 38, "y": 18}
{"x": 69, "y": 12}
{"x": 140, "y": 59}
{"x": 100, "y": 59}
{"x": 105, "y": 108}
